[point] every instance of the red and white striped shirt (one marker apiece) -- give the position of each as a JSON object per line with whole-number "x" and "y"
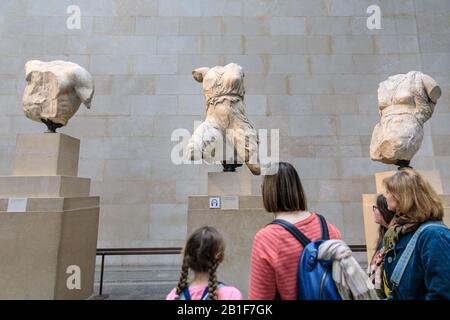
{"x": 275, "y": 257}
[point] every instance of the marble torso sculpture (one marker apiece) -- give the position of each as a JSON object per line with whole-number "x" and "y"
{"x": 54, "y": 91}
{"x": 406, "y": 102}
{"x": 223, "y": 88}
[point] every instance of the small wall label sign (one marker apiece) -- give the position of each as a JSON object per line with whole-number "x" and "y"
{"x": 230, "y": 202}
{"x": 17, "y": 205}
{"x": 214, "y": 202}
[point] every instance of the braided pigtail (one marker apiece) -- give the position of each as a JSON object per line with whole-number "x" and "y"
{"x": 203, "y": 253}
{"x": 183, "y": 282}
{"x": 212, "y": 283}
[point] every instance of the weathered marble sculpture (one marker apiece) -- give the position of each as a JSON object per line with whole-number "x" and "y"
{"x": 406, "y": 102}
{"x": 54, "y": 91}
{"x": 223, "y": 88}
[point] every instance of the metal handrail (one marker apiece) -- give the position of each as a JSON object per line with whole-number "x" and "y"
{"x": 127, "y": 252}
{"x": 137, "y": 251}
{"x": 158, "y": 251}
{"x": 358, "y": 247}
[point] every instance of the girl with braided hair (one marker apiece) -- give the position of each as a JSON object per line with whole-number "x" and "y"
{"x": 203, "y": 253}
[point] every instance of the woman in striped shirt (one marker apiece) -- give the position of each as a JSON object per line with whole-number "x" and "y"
{"x": 276, "y": 253}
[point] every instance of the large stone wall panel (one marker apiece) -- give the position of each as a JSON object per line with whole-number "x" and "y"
{"x": 311, "y": 67}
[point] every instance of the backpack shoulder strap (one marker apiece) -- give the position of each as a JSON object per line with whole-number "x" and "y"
{"x": 206, "y": 292}
{"x": 185, "y": 295}
{"x": 402, "y": 263}
{"x": 293, "y": 230}
{"x": 324, "y": 227}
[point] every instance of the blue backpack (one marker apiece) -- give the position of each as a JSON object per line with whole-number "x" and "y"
{"x": 314, "y": 280}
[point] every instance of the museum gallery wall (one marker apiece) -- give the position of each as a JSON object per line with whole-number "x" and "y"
{"x": 313, "y": 70}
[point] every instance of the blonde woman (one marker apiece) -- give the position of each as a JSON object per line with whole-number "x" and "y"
{"x": 417, "y": 243}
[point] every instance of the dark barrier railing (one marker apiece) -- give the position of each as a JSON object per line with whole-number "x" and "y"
{"x": 129, "y": 252}
{"x": 157, "y": 251}
{"x": 358, "y": 247}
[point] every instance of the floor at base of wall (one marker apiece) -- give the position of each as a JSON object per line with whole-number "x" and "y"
{"x": 148, "y": 282}
{"x": 136, "y": 282}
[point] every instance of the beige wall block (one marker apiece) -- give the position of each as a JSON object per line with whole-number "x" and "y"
{"x": 446, "y": 202}
{"x": 238, "y": 228}
{"x": 370, "y": 227}
{"x": 55, "y": 204}
{"x": 37, "y": 248}
{"x": 432, "y": 176}
{"x": 230, "y": 183}
{"x": 46, "y": 154}
{"x": 81, "y": 202}
{"x": 44, "y": 187}
{"x": 245, "y": 202}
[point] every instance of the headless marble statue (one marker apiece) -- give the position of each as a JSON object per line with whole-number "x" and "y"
{"x": 54, "y": 91}
{"x": 405, "y": 102}
{"x": 223, "y": 88}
